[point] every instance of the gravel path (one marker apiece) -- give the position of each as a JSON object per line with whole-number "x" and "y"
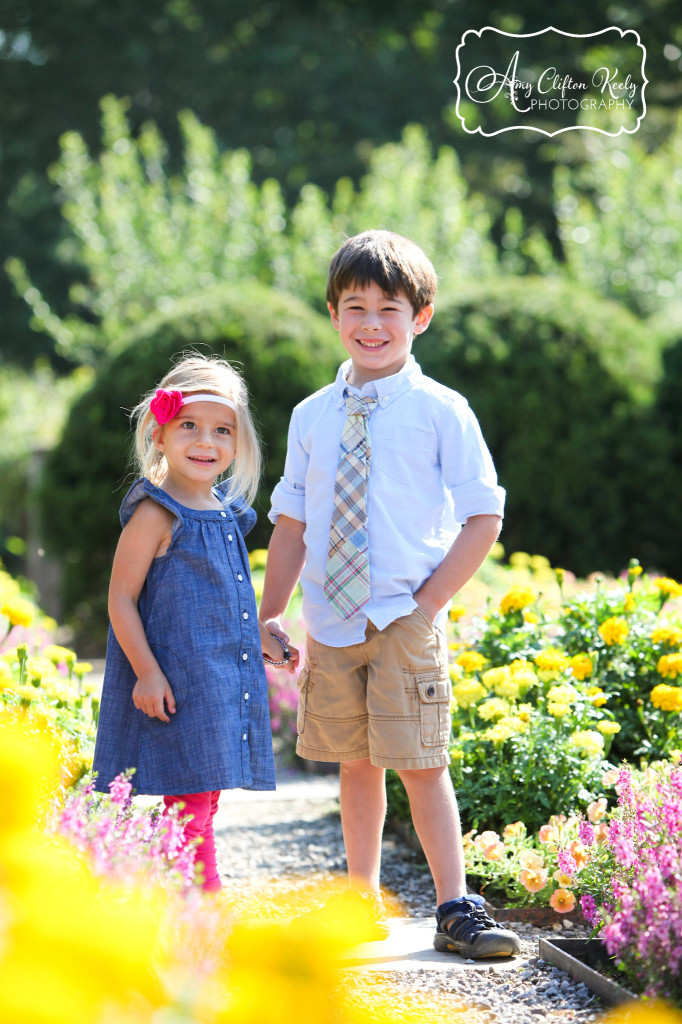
{"x": 294, "y": 838}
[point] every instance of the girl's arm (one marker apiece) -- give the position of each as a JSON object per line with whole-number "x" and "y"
{"x": 146, "y": 535}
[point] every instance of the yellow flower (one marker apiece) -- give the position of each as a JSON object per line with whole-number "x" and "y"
{"x": 498, "y": 734}
{"x": 669, "y": 665}
{"x": 589, "y": 742}
{"x": 565, "y": 881}
{"x": 607, "y": 727}
{"x": 519, "y": 559}
{"x": 581, "y": 666}
{"x": 457, "y": 612}
{"x": 466, "y": 736}
{"x": 471, "y": 661}
{"x": 257, "y": 558}
{"x": 668, "y": 587}
{"x": 492, "y": 708}
{"x": 40, "y": 668}
{"x": 468, "y": 692}
{"x": 562, "y": 901}
{"x": 560, "y": 576}
{"x": 59, "y": 655}
{"x": 551, "y": 663}
{"x": 524, "y": 711}
{"x": 6, "y": 676}
{"x": 27, "y": 692}
{"x": 531, "y": 618}
{"x": 515, "y": 723}
{"x": 513, "y": 829}
{"x": 614, "y": 630}
{"x": 455, "y": 672}
{"x": 558, "y": 710}
{"x": 516, "y": 599}
{"x": 667, "y": 698}
{"x": 563, "y": 694}
{"x": 630, "y": 604}
{"x": 81, "y": 668}
{"x": 597, "y": 697}
{"x": 668, "y": 636}
{"x": 18, "y": 611}
{"x": 457, "y": 755}
{"x": 675, "y": 756}
{"x": 59, "y": 690}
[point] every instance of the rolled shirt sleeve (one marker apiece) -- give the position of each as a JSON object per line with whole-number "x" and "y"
{"x": 288, "y": 497}
{"x": 467, "y": 466}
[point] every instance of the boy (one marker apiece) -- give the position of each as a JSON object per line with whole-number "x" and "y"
{"x": 381, "y": 468}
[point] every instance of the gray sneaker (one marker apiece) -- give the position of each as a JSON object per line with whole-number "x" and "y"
{"x": 464, "y": 927}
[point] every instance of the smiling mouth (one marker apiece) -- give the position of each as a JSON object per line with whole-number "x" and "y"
{"x": 371, "y": 344}
{"x": 204, "y": 460}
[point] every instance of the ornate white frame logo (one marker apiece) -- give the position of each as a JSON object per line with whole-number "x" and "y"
{"x": 611, "y": 90}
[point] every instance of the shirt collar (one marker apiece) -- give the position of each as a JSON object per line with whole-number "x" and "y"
{"x": 386, "y": 389}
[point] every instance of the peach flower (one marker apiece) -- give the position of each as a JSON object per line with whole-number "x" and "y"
{"x": 601, "y": 832}
{"x": 579, "y": 853}
{"x": 562, "y": 901}
{"x": 531, "y": 860}
{"x": 533, "y": 879}
{"x": 494, "y": 852}
{"x": 486, "y": 839}
{"x": 548, "y": 834}
{"x": 597, "y": 810}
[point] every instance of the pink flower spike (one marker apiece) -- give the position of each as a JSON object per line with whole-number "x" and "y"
{"x": 166, "y": 405}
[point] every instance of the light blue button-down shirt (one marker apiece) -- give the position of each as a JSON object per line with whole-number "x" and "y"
{"x": 430, "y": 471}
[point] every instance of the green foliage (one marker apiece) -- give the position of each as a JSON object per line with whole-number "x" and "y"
{"x": 285, "y": 352}
{"x": 146, "y": 237}
{"x": 619, "y": 215}
{"x": 562, "y": 383}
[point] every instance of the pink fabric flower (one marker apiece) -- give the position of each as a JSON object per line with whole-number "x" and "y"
{"x": 166, "y": 405}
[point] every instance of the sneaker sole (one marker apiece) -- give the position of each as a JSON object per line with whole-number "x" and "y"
{"x": 444, "y": 944}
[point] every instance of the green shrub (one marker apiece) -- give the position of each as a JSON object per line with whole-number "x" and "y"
{"x": 285, "y": 352}
{"x": 562, "y": 383}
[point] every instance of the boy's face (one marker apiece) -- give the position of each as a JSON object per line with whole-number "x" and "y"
{"x": 376, "y": 330}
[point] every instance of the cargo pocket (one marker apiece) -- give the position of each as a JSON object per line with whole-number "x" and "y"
{"x": 434, "y": 709}
{"x": 303, "y": 684}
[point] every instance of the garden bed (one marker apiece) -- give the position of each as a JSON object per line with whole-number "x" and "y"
{"x": 586, "y": 960}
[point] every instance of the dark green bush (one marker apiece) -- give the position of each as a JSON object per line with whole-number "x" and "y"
{"x": 284, "y": 350}
{"x": 562, "y": 383}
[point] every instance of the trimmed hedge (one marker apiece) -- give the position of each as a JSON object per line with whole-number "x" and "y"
{"x": 563, "y": 384}
{"x": 284, "y": 350}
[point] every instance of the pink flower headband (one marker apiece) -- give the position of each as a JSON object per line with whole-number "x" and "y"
{"x": 167, "y": 404}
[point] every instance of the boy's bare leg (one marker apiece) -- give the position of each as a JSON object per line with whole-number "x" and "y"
{"x": 363, "y": 809}
{"x": 436, "y": 819}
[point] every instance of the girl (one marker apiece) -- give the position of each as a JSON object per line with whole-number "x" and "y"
{"x": 184, "y": 700}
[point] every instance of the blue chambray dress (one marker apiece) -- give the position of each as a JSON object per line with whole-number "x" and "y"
{"x": 198, "y": 609}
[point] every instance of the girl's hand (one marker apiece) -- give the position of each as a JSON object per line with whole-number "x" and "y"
{"x": 150, "y": 692}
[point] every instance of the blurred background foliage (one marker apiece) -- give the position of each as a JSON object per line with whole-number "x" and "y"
{"x": 155, "y": 160}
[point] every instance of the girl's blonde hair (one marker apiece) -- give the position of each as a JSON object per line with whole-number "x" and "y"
{"x": 196, "y": 373}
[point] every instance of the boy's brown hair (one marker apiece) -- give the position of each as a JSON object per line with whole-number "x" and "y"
{"x": 395, "y": 263}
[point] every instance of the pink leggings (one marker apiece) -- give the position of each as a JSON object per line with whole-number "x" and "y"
{"x": 202, "y": 808}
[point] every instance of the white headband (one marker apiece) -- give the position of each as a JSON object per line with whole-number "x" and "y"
{"x": 209, "y": 398}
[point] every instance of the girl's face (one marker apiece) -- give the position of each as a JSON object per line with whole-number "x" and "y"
{"x": 200, "y": 443}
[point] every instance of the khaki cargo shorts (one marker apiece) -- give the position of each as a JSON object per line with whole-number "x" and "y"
{"x": 387, "y": 698}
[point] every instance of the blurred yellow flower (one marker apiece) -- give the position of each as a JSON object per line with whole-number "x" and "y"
{"x": 457, "y": 755}
{"x": 257, "y": 558}
{"x": 513, "y": 829}
{"x": 455, "y": 672}
{"x": 19, "y": 611}
{"x": 614, "y": 630}
{"x": 667, "y": 698}
{"x": 629, "y": 604}
{"x": 607, "y": 727}
{"x": 670, "y": 665}
{"x": 589, "y": 742}
{"x": 669, "y": 636}
{"x": 531, "y": 859}
{"x": 531, "y": 618}
{"x": 563, "y": 694}
{"x": 28, "y": 692}
{"x": 519, "y": 559}
{"x": 471, "y": 661}
{"x": 457, "y": 612}
{"x": 581, "y": 666}
{"x": 551, "y": 663}
{"x": 558, "y": 710}
{"x": 6, "y": 676}
{"x": 514, "y": 723}
{"x": 498, "y": 734}
{"x": 492, "y": 708}
{"x": 468, "y": 692}
{"x": 597, "y": 697}
{"x": 40, "y": 668}
{"x": 524, "y": 711}
{"x": 59, "y": 655}
{"x": 81, "y": 668}
{"x": 668, "y": 587}
{"x": 516, "y": 599}
{"x": 643, "y": 1013}
{"x": 565, "y": 881}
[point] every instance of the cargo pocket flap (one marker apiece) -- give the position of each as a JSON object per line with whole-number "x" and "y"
{"x": 433, "y": 691}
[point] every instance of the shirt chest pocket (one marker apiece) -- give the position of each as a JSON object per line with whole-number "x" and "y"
{"x": 406, "y": 454}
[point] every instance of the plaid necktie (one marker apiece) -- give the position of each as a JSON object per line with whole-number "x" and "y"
{"x": 346, "y": 584}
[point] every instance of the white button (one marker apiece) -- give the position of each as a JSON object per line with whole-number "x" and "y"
{"x": 229, "y": 536}
{"x": 246, "y": 696}
{"x": 224, "y": 515}
{"x": 240, "y": 577}
{"x": 245, "y": 615}
{"x": 244, "y": 736}
{"x": 244, "y": 657}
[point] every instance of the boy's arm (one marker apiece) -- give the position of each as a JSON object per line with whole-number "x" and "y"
{"x": 286, "y": 557}
{"x": 147, "y": 530}
{"x": 464, "y": 558}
